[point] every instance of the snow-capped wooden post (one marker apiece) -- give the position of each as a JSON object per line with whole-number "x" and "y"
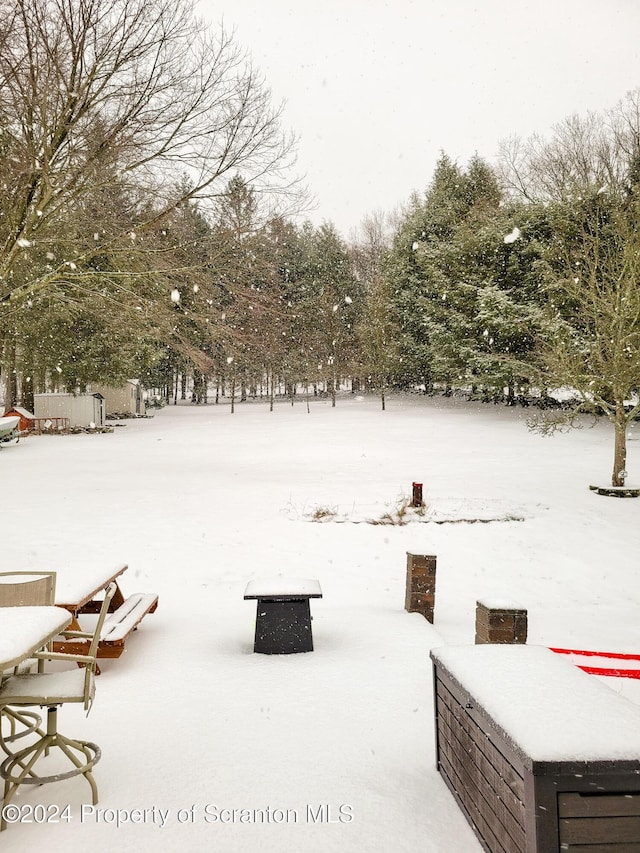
{"x": 416, "y": 495}
{"x": 421, "y": 585}
{"x": 499, "y": 621}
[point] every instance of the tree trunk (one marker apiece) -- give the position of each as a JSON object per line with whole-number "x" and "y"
{"x": 11, "y": 373}
{"x": 27, "y": 393}
{"x": 196, "y": 393}
{"x": 290, "y": 390}
{"x": 620, "y": 446}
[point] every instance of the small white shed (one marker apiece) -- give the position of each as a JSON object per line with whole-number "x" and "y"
{"x": 125, "y": 399}
{"x": 81, "y": 409}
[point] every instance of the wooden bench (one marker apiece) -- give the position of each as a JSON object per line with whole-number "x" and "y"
{"x": 540, "y": 756}
{"x": 118, "y": 625}
{"x": 123, "y": 621}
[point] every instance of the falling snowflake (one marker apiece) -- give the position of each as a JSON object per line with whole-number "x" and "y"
{"x": 175, "y": 295}
{"x": 348, "y": 300}
{"x": 511, "y": 238}
{"x": 24, "y": 243}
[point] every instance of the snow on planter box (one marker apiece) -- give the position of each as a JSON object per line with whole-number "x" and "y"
{"x": 540, "y": 756}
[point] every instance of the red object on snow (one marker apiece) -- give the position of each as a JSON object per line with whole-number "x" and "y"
{"x": 599, "y": 670}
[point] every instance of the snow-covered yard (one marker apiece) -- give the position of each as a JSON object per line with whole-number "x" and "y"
{"x": 198, "y": 502}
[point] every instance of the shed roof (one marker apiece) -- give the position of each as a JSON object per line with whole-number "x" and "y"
{"x": 19, "y": 410}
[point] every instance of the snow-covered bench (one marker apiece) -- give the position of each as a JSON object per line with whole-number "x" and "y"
{"x": 123, "y": 621}
{"x": 540, "y": 756}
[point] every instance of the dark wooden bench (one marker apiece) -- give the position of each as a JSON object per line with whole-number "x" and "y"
{"x": 540, "y": 756}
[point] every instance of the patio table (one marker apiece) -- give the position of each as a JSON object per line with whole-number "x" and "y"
{"x": 76, "y": 589}
{"x": 24, "y": 630}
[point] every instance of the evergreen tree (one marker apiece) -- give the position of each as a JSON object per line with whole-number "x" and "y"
{"x": 329, "y": 304}
{"x": 467, "y": 318}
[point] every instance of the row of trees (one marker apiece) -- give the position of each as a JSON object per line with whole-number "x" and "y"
{"x": 146, "y": 230}
{"x": 117, "y": 119}
{"x": 528, "y": 276}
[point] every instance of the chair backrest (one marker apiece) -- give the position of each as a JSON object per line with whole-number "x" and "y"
{"x": 21, "y": 589}
{"x": 92, "y": 652}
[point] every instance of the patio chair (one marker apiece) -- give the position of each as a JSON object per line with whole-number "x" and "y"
{"x": 22, "y": 589}
{"x": 52, "y": 689}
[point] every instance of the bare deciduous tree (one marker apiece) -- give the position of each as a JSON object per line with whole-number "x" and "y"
{"x": 583, "y": 152}
{"x": 593, "y": 343}
{"x": 130, "y": 93}
{"x": 377, "y": 330}
{"x": 587, "y": 175}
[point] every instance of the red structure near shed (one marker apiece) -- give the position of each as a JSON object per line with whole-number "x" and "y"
{"x": 27, "y": 419}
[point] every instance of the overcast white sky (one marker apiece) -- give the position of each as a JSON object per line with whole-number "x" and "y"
{"x": 376, "y": 90}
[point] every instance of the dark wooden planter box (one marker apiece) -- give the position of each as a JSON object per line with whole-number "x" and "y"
{"x": 519, "y": 795}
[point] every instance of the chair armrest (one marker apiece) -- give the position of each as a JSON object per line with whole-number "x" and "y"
{"x": 63, "y": 656}
{"x": 76, "y": 634}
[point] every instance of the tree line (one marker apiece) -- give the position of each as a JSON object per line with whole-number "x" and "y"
{"x": 523, "y": 279}
{"x": 150, "y": 227}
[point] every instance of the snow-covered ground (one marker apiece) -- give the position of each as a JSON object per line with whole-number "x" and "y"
{"x": 198, "y": 502}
